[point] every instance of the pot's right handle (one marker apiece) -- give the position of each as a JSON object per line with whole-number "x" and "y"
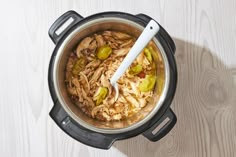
{"x": 65, "y": 122}
{"x": 152, "y": 135}
{"x": 71, "y": 17}
{"x": 162, "y": 32}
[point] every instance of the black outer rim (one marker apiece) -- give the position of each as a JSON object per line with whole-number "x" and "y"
{"x": 168, "y": 47}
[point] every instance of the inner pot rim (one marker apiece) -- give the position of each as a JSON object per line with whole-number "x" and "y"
{"x": 86, "y": 25}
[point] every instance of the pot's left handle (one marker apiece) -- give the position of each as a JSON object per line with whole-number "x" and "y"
{"x": 66, "y": 123}
{"x": 63, "y": 24}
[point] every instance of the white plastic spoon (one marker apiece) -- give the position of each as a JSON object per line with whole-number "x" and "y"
{"x": 148, "y": 33}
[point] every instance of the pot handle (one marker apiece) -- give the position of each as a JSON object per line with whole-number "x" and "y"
{"x": 60, "y": 26}
{"x": 67, "y": 124}
{"x": 162, "y": 32}
{"x": 151, "y": 133}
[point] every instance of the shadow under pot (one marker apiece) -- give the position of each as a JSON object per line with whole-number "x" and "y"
{"x": 66, "y": 32}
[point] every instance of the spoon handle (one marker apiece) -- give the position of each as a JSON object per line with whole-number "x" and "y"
{"x": 148, "y": 33}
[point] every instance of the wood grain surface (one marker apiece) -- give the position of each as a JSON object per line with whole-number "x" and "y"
{"x": 205, "y": 103}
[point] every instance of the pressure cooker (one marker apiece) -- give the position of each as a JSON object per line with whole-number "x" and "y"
{"x": 66, "y": 32}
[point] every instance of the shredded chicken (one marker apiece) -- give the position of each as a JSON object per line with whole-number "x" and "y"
{"x": 121, "y": 52}
{"x": 132, "y": 101}
{"x": 100, "y": 40}
{"x": 129, "y": 43}
{"x": 72, "y": 91}
{"x": 96, "y": 75}
{"x": 83, "y": 87}
{"x": 107, "y": 33}
{"x": 84, "y": 44}
{"x": 120, "y": 35}
{"x": 140, "y": 58}
{"x": 89, "y": 99}
{"x": 96, "y": 110}
{"x": 93, "y": 45}
{"x": 75, "y": 82}
{"x": 93, "y": 64}
{"x": 84, "y": 81}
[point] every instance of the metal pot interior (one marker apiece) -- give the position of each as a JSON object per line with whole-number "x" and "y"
{"x": 70, "y": 43}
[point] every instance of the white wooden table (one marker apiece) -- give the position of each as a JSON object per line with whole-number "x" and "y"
{"x": 205, "y": 103}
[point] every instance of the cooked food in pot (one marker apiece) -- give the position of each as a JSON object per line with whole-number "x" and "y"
{"x": 93, "y": 63}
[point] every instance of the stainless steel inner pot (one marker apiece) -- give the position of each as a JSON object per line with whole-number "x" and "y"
{"x": 70, "y": 43}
